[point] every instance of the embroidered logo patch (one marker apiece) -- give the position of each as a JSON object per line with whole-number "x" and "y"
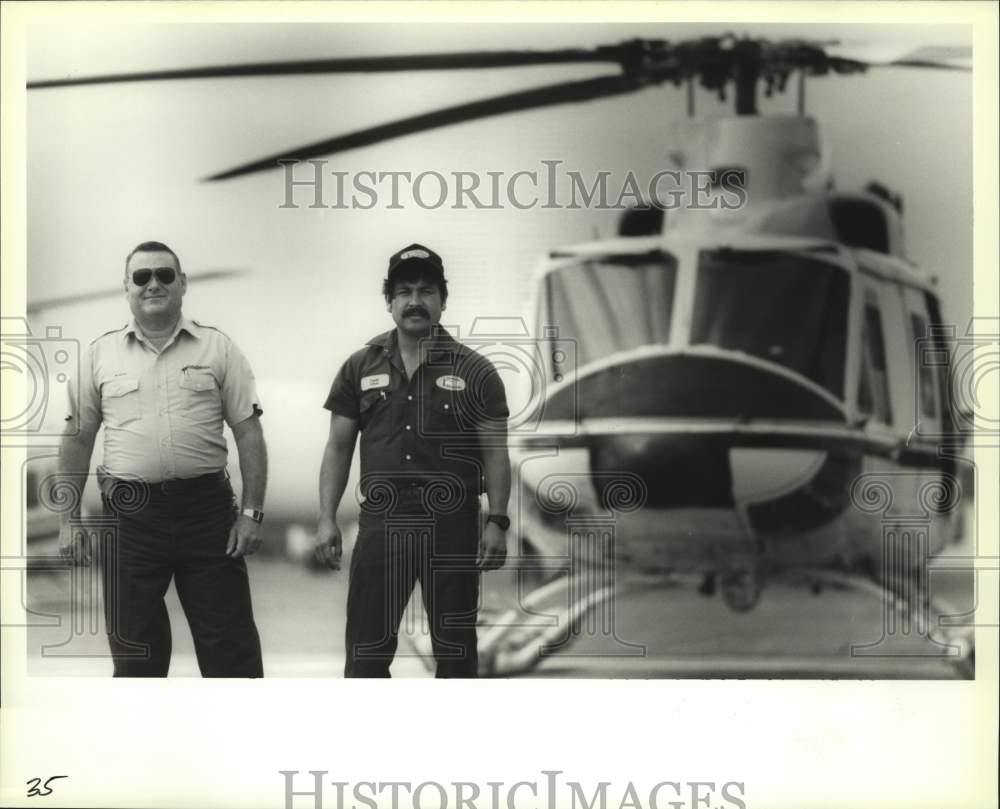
{"x": 418, "y": 253}
{"x": 374, "y": 382}
{"x": 451, "y": 382}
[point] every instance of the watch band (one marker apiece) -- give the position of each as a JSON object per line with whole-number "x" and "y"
{"x": 501, "y": 520}
{"x": 253, "y": 514}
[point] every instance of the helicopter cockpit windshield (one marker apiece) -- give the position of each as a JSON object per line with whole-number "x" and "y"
{"x": 783, "y": 307}
{"x": 613, "y": 303}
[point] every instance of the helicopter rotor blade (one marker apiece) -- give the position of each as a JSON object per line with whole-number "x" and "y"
{"x": 925, "y": 63}
{"x": 936, "y": 57}
{"x": 371, "y": 64}
{"x": 563, "y": 93}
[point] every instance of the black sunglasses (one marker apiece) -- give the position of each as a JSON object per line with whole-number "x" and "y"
{"x": 165, "y": 276}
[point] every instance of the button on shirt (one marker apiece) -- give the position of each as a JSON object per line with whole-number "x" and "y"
{"x": 163, "y": 410}
{"x": 425, "y": 428}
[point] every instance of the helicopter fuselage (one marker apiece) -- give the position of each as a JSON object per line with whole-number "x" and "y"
{"x": 735, "y": 402}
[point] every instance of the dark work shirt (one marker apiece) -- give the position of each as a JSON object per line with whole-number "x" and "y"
{"x": 425, "y": 428}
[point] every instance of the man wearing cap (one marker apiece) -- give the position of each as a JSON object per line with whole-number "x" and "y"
{"x": 432, "y": 414}
{"x": 162, "y": 387}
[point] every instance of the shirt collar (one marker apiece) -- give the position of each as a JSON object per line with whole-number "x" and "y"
{"x": 386, "y": 340}
{"x": 183, "y": 324}
{"x": 389, "y": 341}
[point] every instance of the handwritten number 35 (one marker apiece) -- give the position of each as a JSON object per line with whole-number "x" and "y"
{"x": 33, "y": 789}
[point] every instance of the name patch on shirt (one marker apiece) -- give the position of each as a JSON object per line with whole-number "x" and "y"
{"x": 374, "y": 382}
{"x": 451, "y": 382}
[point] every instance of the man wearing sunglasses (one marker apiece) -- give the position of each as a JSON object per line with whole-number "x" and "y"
{"x": 162, "y": 386}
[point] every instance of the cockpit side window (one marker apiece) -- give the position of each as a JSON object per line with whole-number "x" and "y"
{"x": 926, "y": 377}
{"x": 938, "y": 339}
{"x": 873, "y": 386}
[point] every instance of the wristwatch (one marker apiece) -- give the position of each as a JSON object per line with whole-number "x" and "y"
{"x": 501, "y": 520}
{"x": 253, "y": 514}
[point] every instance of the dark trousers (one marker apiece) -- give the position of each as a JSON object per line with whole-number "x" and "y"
{"x": 180, "y": 535}
{"x": 390, "y": 556}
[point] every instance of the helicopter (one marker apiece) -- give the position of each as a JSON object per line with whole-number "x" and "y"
{"x": 726, "y": 377}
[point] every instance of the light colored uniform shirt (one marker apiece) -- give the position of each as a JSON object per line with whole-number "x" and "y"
{"x": 163, "y": 410}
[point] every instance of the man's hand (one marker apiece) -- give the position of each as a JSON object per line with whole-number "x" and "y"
{"x": 329, "y": 544}
{"x": 492, "y": 548}
{"x": 244, "y": 538}
{"x": 73, "y": 544}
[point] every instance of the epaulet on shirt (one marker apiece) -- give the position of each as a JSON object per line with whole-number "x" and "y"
{"x": 204, "y": 326}
{"x": 112, "y": 331}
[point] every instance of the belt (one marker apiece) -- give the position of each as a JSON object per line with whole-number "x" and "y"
{"x": 417, "y": 498}
{"x": 165, "y": 488}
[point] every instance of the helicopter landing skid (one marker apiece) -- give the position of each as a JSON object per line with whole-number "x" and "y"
{"x": 513, "y": 645}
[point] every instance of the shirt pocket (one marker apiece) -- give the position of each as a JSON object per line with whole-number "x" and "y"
{"x": 374, "y": 413}
{"x": 199, "y": 391}
{"x": 445, "y": 413}
{"x": 120, "y": 401}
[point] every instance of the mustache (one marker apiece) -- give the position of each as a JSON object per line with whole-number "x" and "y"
{"x": 416, "y": 310}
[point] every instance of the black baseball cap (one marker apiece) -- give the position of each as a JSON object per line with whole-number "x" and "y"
{"x": 417, "y": 255}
